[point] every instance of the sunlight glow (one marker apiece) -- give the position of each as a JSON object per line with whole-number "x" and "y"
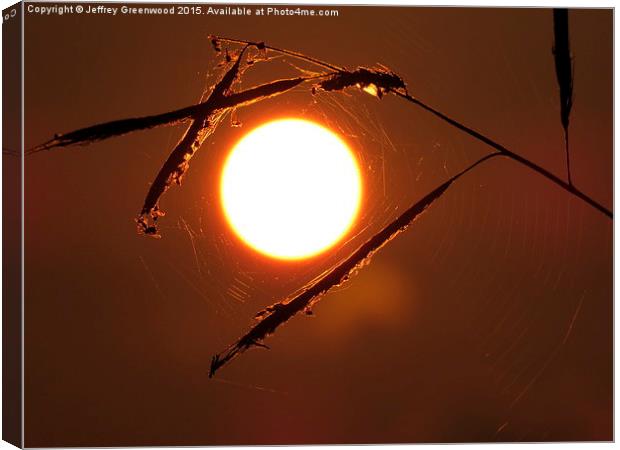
{"x": 290, "y": 189}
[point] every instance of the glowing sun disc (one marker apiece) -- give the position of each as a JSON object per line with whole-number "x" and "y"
{"x": 290, "y": 189}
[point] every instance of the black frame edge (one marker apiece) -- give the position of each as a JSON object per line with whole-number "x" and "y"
{"x": 12, "y": 231}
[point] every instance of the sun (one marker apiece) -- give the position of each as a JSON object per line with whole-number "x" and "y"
{"x": 291, "y": 189}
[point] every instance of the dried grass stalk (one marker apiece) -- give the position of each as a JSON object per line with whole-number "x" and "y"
{"x": 99, "y": 132}
{"x": 279, "y": 313}
{"x": 203, "y": 124}
{"x": 376, "y": 82}
{"x": 570, "y": 188}
{"x": 564, "y": 73}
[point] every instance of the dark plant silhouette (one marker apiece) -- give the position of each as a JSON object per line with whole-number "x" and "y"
{"x": 275, "y": 315}
{"x": 564, "y": 73}
{"x": 204, "y": 118}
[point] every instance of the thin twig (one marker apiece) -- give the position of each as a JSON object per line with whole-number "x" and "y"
{"x": 274, "y": 316}
{"x": 10, "y": 152}
{"x": 203, "y": 124}
{"x": 300, "y": 56}
{"x": 99, "y": 132}
{"x": 564, "y": 73}
{"x": 520, "y": 159}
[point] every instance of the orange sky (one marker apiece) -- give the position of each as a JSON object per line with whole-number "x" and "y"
{"x": 459, "y": 330}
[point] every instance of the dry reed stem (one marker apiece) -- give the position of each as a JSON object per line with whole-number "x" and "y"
{"x": 570, "y": 188}
{"x": 203, "y": 124}
{"x": 99, "y": 132}
{"x": 564, "y": 73}
{"x": 279, "y": 313}
{"x": 261, "y": 45}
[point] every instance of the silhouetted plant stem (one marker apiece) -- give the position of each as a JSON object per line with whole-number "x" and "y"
{"x": 301, "y": 56}
{"x": 514, "y": 156}
{"x": 279, "y": 313}
{"x": 202, "y": 125}
{"x": 564, "y": 73}
{"x": 566, "y": 148}
{"x": 106, "y": 130}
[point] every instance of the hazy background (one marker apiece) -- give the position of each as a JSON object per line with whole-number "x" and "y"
{"x": 490, "y": 319}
